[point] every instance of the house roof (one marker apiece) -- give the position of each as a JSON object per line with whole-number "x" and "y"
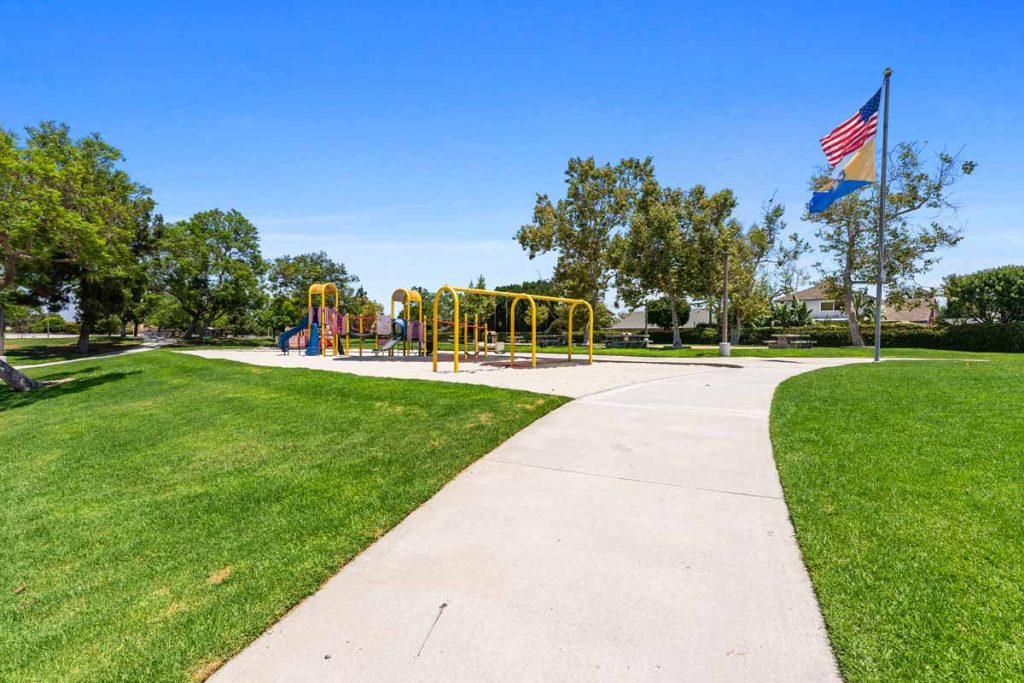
{"x": 916, "y": 311}
{"x": 815, "y": 292}
{"x": 812, "y": 294}
{"x": 634, "y": 320}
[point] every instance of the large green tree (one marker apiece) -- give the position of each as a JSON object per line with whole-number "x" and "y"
{"x": 993, "y": 295}
{"x": 288, "y": 282}
{"x": 579, "y": 228}
{"x": 212, "y": 267}
{"x": 917, "y": 226}
{"x": 95, "y": 191}
{"x": 671, "y": 246}
{"x": 66, "y": 208}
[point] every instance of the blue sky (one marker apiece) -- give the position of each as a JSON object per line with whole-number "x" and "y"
{"x": 409, "y": 142}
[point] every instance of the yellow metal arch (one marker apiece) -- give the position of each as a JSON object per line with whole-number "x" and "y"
{"x": 516, "y": 297}
{"x": 407, "y": 297}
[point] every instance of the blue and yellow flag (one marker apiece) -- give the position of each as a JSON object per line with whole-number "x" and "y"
{"x": 852, "y": 173}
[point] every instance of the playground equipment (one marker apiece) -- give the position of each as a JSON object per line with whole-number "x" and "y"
{"x": 322, "y": 323}
{"x": 410, "y": 329}
{"x": 324, "y": 327}
{"x": 516, "y": 297}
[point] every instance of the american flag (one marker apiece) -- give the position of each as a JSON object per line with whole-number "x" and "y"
{"x": 852, "y": 133}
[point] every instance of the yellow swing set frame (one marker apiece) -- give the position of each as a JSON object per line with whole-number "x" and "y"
{"x": 516, "y": 297}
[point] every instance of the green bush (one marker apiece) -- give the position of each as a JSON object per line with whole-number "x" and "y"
{"x": 57, "y": 324}
{"x": 995, "y": 337}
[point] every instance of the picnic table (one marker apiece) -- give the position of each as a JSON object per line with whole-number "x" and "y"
{"x": 789, "y": 341}
{"x": 626, "y": 341}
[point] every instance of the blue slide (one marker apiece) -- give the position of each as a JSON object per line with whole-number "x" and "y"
{"x": 313, "y": 347}
{"x": 282, "y": 341}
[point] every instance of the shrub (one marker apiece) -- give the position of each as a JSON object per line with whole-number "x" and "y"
{"x": 993, "y": 337}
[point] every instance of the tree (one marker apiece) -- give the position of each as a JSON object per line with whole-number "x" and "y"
{"x": 93, "y": 190}
{"x": 761, "y": 266}
{"x": 289, "y": 279}
{"x": 864, "y": 306}
{"x": 848, "y": 230}
{"x": 546, "y": 316}
{"x": 363, "y": 305}
{"x": 598, "y": 204}
{"x": 445, "y": 307}
{"x": 212, "y": 265}
{"x": 670, "y": 245}
{"x": 480, "y": 305}
{"x": 994, "y": 295}
{"x": 65, "y": 208}
{"x": 792, "y": 313}
{"x": 659, "y": 313}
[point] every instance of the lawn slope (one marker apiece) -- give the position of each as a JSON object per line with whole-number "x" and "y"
{"x": 905, "y": 481}
{"x": 161, "y": 510}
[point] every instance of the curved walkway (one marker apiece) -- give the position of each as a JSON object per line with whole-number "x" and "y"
{"x": 637, "y": 533}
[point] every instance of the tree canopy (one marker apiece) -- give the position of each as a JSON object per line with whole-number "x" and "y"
{"x": 993, "y": 295}
{"x": 211, "y": 265}
{"x": 918, "y": 210}
{"x": 598, "y": 204}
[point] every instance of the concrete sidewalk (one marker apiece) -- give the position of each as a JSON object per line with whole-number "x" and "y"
{"x": 635, "y": 534}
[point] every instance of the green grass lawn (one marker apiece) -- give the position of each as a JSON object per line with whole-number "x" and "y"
{"x": 160, "y": 511}
{"x": 905, "y": 482}
{"x": 764, "y": 352}
{"x": 43, "y": 350}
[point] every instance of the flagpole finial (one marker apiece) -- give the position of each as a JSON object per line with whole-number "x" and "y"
{"x": 887, "y": 72}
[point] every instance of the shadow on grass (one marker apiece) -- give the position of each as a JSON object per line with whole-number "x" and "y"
{"x": 79, "y": 382}
{"x": 41, "y": 352}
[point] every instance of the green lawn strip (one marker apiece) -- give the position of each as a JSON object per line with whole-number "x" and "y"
{"x": 42, "y": 350}
{"x": 904, "y": 482}
{"x": 763, "y": 352}
{"x": 161, "y": 510}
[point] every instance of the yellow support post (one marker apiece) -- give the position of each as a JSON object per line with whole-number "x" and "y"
{"x": 487, "y": 339}
{"x": 572, "y": 308}
{"x": 476, "y": 336}
{"x": 455, "y": 324}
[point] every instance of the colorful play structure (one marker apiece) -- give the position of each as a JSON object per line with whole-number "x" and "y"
{"x": 325, "y": 330}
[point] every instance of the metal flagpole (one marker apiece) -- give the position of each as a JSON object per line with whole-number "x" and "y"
{"x": 883, "y": 188}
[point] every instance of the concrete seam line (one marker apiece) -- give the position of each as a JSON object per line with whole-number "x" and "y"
{"x": 631, "y": 480}
{"x": 753, "y": 414}
{"x": 640, "y": 384}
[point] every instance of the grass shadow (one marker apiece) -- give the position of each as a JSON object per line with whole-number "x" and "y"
{"x": 11, "y": 399}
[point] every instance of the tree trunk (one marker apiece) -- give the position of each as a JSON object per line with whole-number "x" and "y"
{"x": 124, "y": 328}
{"x": 135, "y": 331}
{"x": 677, "y": 341}
{"x": 851, "y": 315}
{"x": 734, "y": 333}
{"x": 3, "y": 328}
{"x": 17, "y": 381}
{"x": 191, "y": 329}
{"x": 83, "y": 336}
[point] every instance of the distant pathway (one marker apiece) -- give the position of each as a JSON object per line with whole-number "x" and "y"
{"x": 146, "y": 346}
{"x": 635, "y": 534}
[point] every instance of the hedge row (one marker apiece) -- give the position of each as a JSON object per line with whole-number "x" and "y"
{"x": 993, "y": 337}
